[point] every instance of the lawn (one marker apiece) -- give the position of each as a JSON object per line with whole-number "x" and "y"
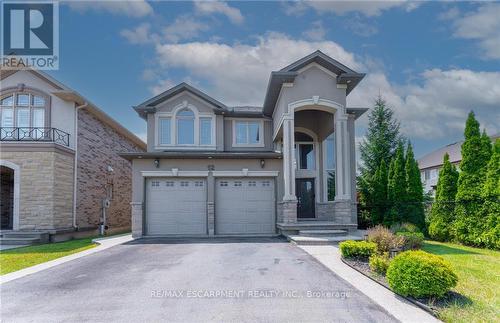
{"x": 478, "y": 273}
{"x": 19, "y": 258}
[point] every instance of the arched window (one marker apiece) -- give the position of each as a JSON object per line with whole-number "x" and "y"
{"x": 185, "y": 127}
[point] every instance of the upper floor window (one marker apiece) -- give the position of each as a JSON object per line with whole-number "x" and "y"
{"x": 23, "y": 110}
{"x": 248, "y": 133}
{"x": 186, "y": 127}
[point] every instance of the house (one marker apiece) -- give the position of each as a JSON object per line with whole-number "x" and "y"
{"x": 215, "y": 170}
{"x": 431, "y": 163}
{"x": 60, "y": 168}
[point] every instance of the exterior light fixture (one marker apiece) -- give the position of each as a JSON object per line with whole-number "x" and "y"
{"x": 262, "y": 163}
{"x": 157, "y": 163}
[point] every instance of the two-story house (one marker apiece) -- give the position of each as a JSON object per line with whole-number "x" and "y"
{"x": 211, "y": 169}
{"x": 61, "y": 174}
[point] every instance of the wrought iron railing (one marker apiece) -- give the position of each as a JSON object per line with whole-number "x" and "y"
{"x": 34, "y": 134}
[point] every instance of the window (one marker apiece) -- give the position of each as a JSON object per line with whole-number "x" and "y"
{"x": 266, "y": 183}
{"x": 155, "y": 184}
{"x": 329, "y": 151}
{"x": 223, "y": 183}
{"x": 23, "y": 110}
{"x": 185, "y": 127}
{"x": 306, "y": 156}
{"x": 169, "y": 184}
{"x": 184, "y": 183}
{"x": 237, "y": 183}
{"x": 205, "y": 131}
{"x": 248, "y": 133}
{"x": 164, "y": 131}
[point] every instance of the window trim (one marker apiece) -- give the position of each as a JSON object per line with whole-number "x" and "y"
{"x": 173, "y": 129}
{"x": 260, "y": 122}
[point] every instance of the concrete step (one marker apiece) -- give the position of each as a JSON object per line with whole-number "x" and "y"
{"x": 321, "y": 233}
{"x": 19, "y": 241}
{"x": 33, "y": 235}
{"x": 326, "y": 240}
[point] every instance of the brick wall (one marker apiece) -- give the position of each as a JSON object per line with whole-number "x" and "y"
{"x": 46, "y": 194}
{"x": 98, "y": 148}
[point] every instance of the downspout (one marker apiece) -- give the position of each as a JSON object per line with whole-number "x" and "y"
{"x": 75, "y": 165}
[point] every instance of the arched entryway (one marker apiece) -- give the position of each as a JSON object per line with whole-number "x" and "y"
{"x": 7, "y": 197}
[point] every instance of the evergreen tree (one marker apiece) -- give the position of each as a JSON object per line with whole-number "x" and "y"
{"x": 443, "y": 209}
{"x": 396, "y": 188}
{"x": 490, "y": 236}
{"x": 379, "y": 194}
{"x": 414, "y": 196}
{"x": 476, "y": 152}
{"x": 381, "y": 140}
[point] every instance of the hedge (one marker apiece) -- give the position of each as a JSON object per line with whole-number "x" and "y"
{"x": 357, "y": 249}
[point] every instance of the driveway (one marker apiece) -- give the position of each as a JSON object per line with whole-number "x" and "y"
{"x": 231, "y": 280}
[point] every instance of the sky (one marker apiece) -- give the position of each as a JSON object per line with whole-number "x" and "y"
{"x": 432, "y": 62}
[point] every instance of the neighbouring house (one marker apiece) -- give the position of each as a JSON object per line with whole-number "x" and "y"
{"x": 215, "y": 170}
{"x": 431, "y": 163}
{"x": 59, "y": 162}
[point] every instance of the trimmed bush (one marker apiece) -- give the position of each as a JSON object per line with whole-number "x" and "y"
{"x": 379, "y": 264}
{"x": 420, "y": 274}
{"x": 385, "y": 239}
{"x": 412, "y": 240}
{"x": 404, "y": 227}
{"x": 357, "y": 249}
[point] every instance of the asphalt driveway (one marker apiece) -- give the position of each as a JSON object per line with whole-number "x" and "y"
{"x": 252, "y": 280}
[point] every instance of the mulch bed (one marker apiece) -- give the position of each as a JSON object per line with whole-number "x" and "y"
{"x": 430, "y": 304}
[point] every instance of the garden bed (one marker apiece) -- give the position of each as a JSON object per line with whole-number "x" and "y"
{"x": 431, "y": 305}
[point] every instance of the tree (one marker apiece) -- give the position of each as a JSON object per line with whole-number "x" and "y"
{"x": 396, "y": 187}
{"x": 414, "y": 191}
{"x": 490, "y": 212}
{"x": 443, "y": 210}
{"x": 476, "y": 152}
{"x": 379, "y": 194}
{"x": 380, "y": 143}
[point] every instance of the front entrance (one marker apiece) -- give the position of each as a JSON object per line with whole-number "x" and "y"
{"x": 304, "y": 189}
{"x": 6, "y": 197}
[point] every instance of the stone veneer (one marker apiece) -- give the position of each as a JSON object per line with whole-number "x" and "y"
{"x": 98, "y": 148}
{"x": 46, "y": 188}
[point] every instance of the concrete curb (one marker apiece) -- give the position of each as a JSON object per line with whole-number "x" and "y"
{"x": 397, "y": 306}
{"x": 104, "y": 243}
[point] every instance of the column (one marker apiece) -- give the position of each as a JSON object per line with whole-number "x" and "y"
{"x": 288, "y": 207}
{"x": 343, "y": 158}
{"x": 137, "y": 215}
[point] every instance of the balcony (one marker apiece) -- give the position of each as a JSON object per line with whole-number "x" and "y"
{"x": 39, "y": 134}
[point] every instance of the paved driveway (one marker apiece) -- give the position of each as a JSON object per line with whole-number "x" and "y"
{"x": 189, "y": 281}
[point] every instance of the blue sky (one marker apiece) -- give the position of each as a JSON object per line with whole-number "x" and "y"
{"x": 431, "y": 61}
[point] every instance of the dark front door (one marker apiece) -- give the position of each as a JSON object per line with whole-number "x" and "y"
{"x": 304, "y": 189}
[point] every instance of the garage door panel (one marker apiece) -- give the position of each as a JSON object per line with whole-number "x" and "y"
{"x": 245, "y": 206}
{"x": 176, "y": 206}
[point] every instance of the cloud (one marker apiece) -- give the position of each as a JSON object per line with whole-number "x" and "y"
{"x": 317, "y": 31}
{"x": 359, "y": 27}
{"x": 482, "y": 25}
{"x": 184, "y": 27}
{"x": 212, "y": 7}
{"x": 138, "y": 35}
{"x": 366, "y": 7}
{"x": 130, "y": 8}
{"x": 436, "y": 104}
{"x": 238, "y": 73}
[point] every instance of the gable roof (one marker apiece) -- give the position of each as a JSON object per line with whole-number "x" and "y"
{"x": 149, "y": 106}
{"x": 287, "y": 74}
{"x": 67, "y": 94}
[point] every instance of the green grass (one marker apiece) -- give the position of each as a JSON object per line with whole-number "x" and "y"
{"x": 19, "y": 258}
{"x": 478, "y": 273}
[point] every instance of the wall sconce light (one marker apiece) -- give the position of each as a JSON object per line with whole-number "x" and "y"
{"x": 157, "y": 163}
{"x": 262, "y": 163}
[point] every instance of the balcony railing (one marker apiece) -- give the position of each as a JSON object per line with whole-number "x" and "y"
{"x": 34, "y": 134}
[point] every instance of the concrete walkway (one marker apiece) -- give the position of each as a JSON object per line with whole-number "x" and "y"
{"x": 396, "y": 305}
{"x": 11, "y": 246}
{"x": 104, "y": 243}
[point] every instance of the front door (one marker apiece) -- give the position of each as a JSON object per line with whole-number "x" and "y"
{"x": 304, "y": 189}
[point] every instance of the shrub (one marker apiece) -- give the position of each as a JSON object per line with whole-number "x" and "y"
{"x": 357, "y": 249}
{"x": 379, "y": 263}
{"x": 404, "y": 227}
{"x": 412, "y": 240}
{"x": 384, "y": 238}
{"x": 420, "y": 274}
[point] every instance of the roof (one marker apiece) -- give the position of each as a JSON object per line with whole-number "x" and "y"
{"x": 435, "y": 158}
{"x": 67, "y": 94}
{"x": 149, "y": 105}
{"x": 203, "y": 155}
{"x": 344, "y": 74}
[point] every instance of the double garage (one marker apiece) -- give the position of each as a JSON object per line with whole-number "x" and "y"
{"x": 178, "y": 206}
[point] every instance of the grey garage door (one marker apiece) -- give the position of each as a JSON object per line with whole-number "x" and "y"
{"x": 244, "y": 206}
{"x": 176, "y": 206}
